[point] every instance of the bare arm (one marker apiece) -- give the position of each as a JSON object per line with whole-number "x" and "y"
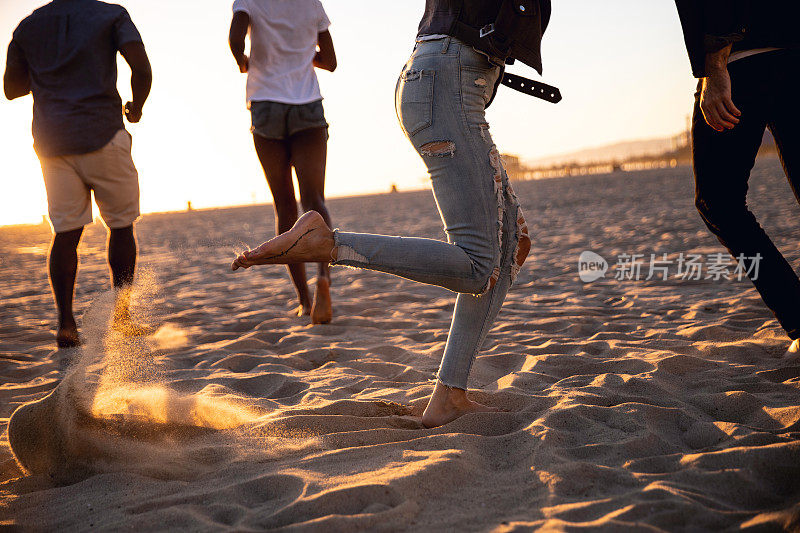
{"x": 16, "y": 80}
{"x": 716, "y": 97}
{"x": 141, "y": 78}
{"x": 239, "y": 27}
{"x": 326, "y": 56}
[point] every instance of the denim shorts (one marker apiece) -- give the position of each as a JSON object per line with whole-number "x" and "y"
{"x": 273, "y": 120}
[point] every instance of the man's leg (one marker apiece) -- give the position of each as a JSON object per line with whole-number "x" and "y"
{"x": 784, "y": 119}
{"x": 113, "y": 177}
{"x": 309, "y": 150}
{"x": 63, "y": 269}
{"x": 785, "y": 126}
{"x": 275, "y": 160}
{"x": 722, "y": 163}
{"x": 122, "y": 256}
{"x": 69, "y": 204}
{"x": 122, "y": 260}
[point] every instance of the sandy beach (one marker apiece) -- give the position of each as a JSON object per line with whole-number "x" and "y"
{"x": 631, "y": 405}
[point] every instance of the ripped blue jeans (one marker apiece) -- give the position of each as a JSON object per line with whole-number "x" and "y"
{"x": 441, "y": 100}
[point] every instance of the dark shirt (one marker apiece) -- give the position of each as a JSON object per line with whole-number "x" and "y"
{"x": 70, "y": 49}
{"x": 518, "y": 26}
{"x": 710, "y": 25}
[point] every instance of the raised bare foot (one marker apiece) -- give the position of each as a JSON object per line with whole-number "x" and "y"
{"x": 309, "y": 241}
{"x": 322, "y": 312}
{"x": 794, "y": 349}
{"x": 448, "y": 403}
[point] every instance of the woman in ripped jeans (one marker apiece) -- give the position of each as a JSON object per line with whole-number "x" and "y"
{"x": 441, "y": 100}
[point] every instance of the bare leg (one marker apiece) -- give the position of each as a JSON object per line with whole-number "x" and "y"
{"x": 122, "y": 256}
{"x": 122, "y": 260}
{"x": 309, "y": 150}
{"x": 448, "y": 403}
{"x": 275, "y": 160}
{"x": 63, "y": 270}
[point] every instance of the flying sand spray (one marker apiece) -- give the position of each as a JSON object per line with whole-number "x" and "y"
{"x": 113, "y": 410}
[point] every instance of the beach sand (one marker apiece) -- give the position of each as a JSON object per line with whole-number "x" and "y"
{"x": 649, "y": 405}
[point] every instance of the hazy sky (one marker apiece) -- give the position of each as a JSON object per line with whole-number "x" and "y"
{"x": 621, "y": 66}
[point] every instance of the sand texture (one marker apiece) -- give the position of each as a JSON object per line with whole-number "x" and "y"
{"x": 632, "y": 405}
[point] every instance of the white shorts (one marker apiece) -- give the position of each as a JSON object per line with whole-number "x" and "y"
{"x": 109, "y": 172}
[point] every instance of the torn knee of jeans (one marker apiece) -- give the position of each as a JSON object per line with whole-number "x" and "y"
{"x": 497, "y": 164}
{"x": 439, "y": 149}
{"x": 345, "y": 253}
{"x": 523, "y": 248}
{"x": 492, "y": 281}
{"x": 485, "y": 277}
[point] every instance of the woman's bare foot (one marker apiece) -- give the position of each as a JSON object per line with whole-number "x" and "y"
{"x": 449, "y": 403}
{"x": 322, "y": 312}
{"x": 302, "y": 310}
{"x": 309, "y": 241}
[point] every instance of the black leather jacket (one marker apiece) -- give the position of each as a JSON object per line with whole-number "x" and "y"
{"x": 512, "y": 29}
{"x": 710, "y": 25}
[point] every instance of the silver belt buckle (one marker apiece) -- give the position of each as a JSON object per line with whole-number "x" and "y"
{"x": 487, "y": 30}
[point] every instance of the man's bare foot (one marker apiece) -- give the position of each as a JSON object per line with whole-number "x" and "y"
{"x": 794, "y": 349}
{"x": 322, "y": 312}
{"x": 309, "y": 241}
{"x": 449, "y": 403}
{"x": 67, "y": 337}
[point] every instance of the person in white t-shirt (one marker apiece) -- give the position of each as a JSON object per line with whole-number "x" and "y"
{"x": 288, "y": 39}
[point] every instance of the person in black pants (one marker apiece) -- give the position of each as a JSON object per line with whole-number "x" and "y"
{"x": 747, "y": 57}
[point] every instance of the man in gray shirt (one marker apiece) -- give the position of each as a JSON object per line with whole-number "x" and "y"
{"x": 65, "y": 53}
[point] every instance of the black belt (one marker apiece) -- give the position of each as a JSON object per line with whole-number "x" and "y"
{"x": 475, "y": 38}
{"x": 538, "y": 89}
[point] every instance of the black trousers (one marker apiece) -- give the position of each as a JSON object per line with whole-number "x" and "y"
{"x": 765, "y": 89}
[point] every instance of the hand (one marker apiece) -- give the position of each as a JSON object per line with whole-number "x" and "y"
{"x": 716, "y": 101}
{"x": 133, "y": 112}
{"x": 244, "y": 64}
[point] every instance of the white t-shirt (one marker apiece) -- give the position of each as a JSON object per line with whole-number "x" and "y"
{"x": 283, "y": 43}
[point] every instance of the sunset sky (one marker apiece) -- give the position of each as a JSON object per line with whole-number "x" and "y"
{"x": 621, "y": 66}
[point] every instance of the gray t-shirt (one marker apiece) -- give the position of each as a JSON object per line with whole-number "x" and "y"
{"x": 70, "y": 48}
